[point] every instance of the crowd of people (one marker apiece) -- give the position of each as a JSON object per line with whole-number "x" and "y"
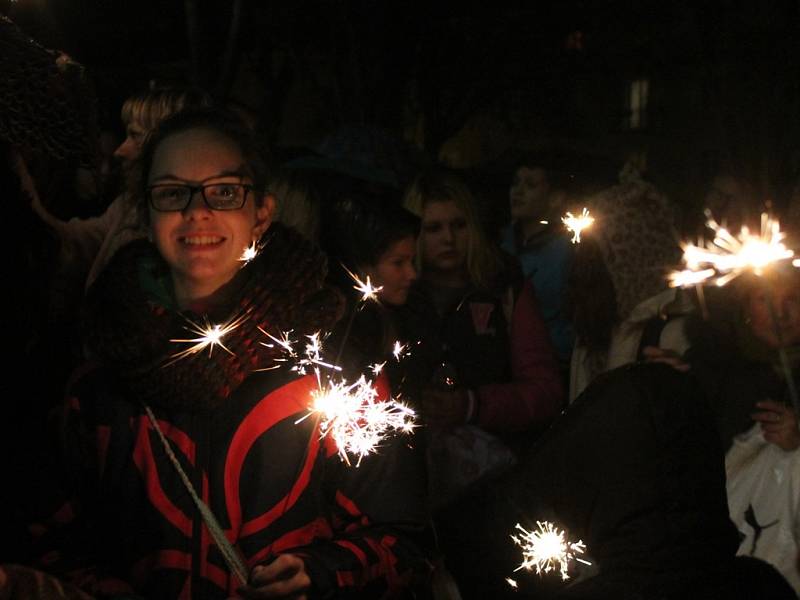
{"x": 551, "y": 381}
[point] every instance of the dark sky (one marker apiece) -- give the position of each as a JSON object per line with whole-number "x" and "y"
{"x": 723, "y": 76}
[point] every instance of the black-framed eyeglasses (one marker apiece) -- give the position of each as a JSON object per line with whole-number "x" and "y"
{"x": 173, "y": 197}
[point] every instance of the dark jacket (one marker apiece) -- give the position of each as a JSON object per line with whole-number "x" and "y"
{"x": 512, "y": 370}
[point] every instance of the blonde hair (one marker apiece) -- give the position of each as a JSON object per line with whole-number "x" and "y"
{"x": 147, "y": 109}
{"x": 483, "y": 261}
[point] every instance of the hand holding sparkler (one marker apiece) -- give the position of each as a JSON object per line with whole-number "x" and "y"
{"x": 779, "y": 424}
{"x": 284, "y": 577}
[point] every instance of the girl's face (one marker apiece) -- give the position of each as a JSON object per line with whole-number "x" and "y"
{"x": 785, "y": 297}
{"x": 444, "y": 237}
{"x": 395, "y": 272}
{"x": 529, "y": 194}
{"x": 203, "y": 246}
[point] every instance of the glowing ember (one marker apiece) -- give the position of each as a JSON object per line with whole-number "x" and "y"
{"x": 209, "y": 337}
{"x": 687, "y": 277}
{"x": 512, "y": 583}
{"x": 577, "y": 224}
{"x": 547, "y": 549}
{"x": 356, "y": 420}
{"x": 249, "y": 253}
{"x": 729, "y": 256}
{"x": 368, "y": 291}
{"x": 399, "y": 350}
{"x": 377, "y": 368}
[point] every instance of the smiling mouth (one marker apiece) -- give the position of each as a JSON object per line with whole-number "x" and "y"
{"x": 201, "y": 240}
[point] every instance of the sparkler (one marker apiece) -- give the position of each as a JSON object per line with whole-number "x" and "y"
{"x": 547, "y": 549}
{"x": 729, "y": 256}
{"x": 377, "y": 368}
{"x": 577, "y": 224}
{"x": 351, "y": 413}
{"x": 356, "y": 420}
{"x": 249, "y": 253}
{"x": 210, "y": 336}
{"x": 368, "y": 291}
{"x": 399, "y": 350}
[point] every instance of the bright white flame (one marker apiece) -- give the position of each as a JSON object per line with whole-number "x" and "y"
{"x": 729, "y": 256}
{"x": 512, "y": 583}
{"x": 399, "y": 350}
{"x": 543, "y": 223}
{"x": 547, "y": 549}
{"x": 352, "y": 414}
{"x": 377, "y": 368}
{"x": 209, "y": 336}
{"x": 796, "y": 262}
{"x": 368, "y": 291}
{"x": 687, "y": 277}
{"x": 249, "y": 253}
{"x": 577, "y": 224}
{"x": 356, "y": 420}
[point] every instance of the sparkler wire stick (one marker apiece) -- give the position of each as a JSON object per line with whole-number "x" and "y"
{"x": 701, "y": 298}
{"x": 229, "y": 554}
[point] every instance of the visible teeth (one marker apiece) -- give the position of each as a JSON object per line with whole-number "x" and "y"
{"x": 202, "y": 239}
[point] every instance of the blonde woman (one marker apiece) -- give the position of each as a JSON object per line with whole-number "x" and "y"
{"x": 481, "y": 317}
{"x": 486, "y": 375}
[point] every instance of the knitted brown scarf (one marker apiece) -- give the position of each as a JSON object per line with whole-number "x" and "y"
{"x": 129, "y": 331}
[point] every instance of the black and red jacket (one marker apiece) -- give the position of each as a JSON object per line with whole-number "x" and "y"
{"x": 272, "y": 482}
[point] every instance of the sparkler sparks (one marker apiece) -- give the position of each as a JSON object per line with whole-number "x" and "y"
{"x": 209, "y": 337}
{"x": 351, "y": 413}
{"x": 249, "y": 253}
{"x": 687, "y": 277}
{"x": 312, "y": 354}
{"x": 512, "y": 583}
{"x": 577, "y": 224}
{"x": 368, "y": 291}
{"x": 356, "y": 420}
{"x": 377, "y": 368}
{"x": 399, "y": 350}
{"x": 728, "y": 256}
{"x": 547, "y": 549}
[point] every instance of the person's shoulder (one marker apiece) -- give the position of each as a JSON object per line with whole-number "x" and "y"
{"x": 95, "y": 393}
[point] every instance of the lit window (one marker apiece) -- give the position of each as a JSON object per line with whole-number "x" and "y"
{"x": 637, "y": 104}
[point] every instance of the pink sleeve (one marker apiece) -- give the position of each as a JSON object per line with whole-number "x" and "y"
{"x": 535, "y": 393}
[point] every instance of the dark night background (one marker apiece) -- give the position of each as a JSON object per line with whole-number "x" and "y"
{"x": 472, "y": 84}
